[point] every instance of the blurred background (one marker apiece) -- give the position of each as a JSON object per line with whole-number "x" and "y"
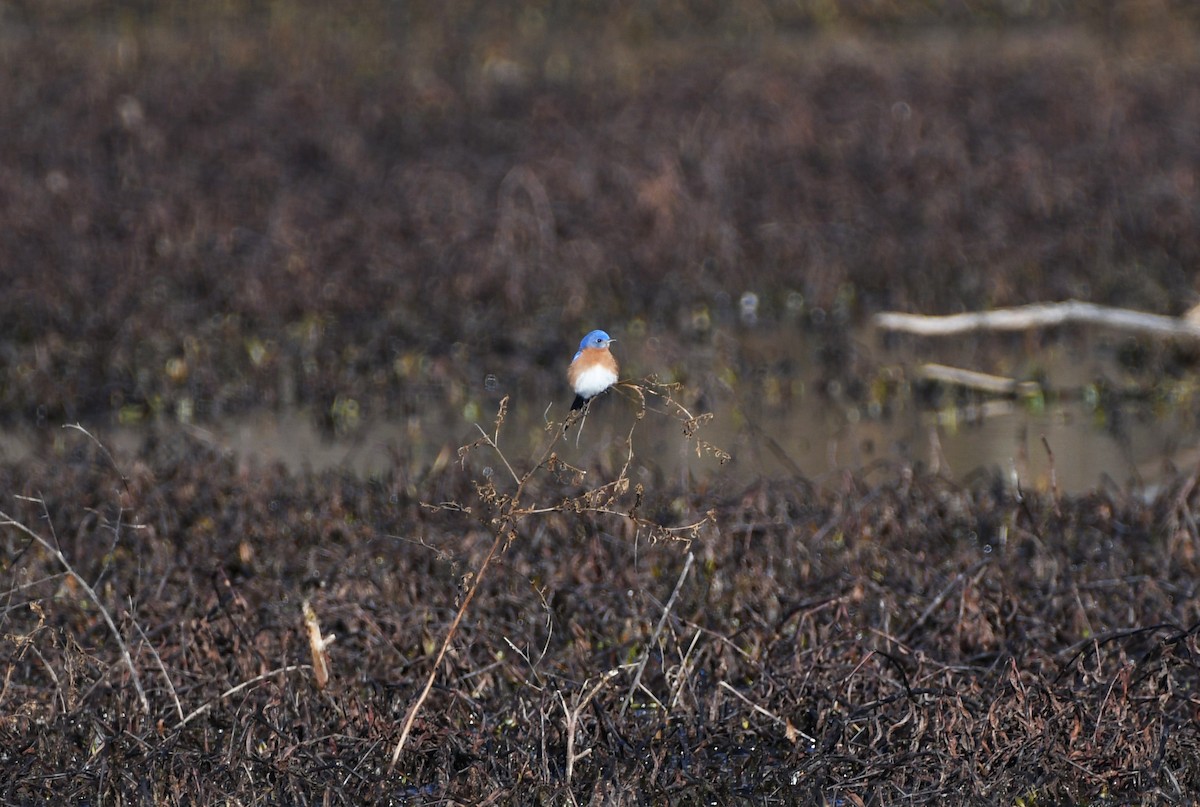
{"x": 288, "y": 222}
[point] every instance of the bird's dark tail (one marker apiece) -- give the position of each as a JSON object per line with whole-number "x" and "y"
{"x": 579, "y": 402}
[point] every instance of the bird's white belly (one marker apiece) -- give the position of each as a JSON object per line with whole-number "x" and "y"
{"x": 594, "y": 381}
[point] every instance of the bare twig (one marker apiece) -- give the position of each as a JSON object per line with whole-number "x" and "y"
{"x": 234, "y": 690}
{"x": 8, "y": 521}
{"x": 662, "y": 620}
{"x": 791, "y": 731}
{"x": 579, "y": 703}
{"x": 25, "y": 642}
{"x": 681, "y": 677}
{"x": 545, "y": 647}
{"x": 108, "y": 455}
{"x": 162, "y": 668}
{"x": 1053, "y": 476}
{"x": 511, "y": 512}
{"x": 411, "y": 716}
{"x": 973, "y": 379}
{"x": 505, "y": 530}
{"x": 489, "y": 441}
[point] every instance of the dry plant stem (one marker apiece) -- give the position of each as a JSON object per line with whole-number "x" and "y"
{"x": 771, "y": 715}
{"x": 162, "y": 668}
{"x": 318, "y": 645}
{"x": 683, "y": 677}
{"x": 492, "y": 441}
{"x": 505, "y": 530}
{"x": 77, "y": 427}
{"x": 8, "y": 521}
{"x": 662, "y": 620}
{"x": 1053, "y": 476}
{"x": 58, "y": 688}
{"x": 511, "y": 513}
{"x": 23, "y": 643}
{"x": 572, "y": 717}
{"x": 1182, "y": 513}
{"x": 532, "y": 669}
{"x": 234, "y": 690}
{"x": 941, "y": 598}
{"x": 441, "y": 654}
{"x": 973, "y": 379}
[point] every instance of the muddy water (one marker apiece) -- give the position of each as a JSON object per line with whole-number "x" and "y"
{"x": 814, "y": 439}
{"x": 800, "y": 433}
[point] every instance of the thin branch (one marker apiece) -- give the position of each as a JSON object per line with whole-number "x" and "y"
{"x": 973, "y": 379}
{"x": 684, "y": 664}
{"x": 411, "y": 716}
{"x": 234, "y": 690}
{"x": 1053, "y": 476}
{"x": 8, "y": 521}
{"x": 77, "y": 427}
{"x": 504, "y": 525}
{"x": 572, "y": 720}
{"x": 637, "y": 678}
{"x": 162, "y": 668}
{"x": 788, "y": 728}
{"x": 488, "y": 441}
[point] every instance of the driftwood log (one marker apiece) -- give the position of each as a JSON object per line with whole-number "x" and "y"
{"x": 973, "y": 379}
{"x": 1023, "y": 318}
{"x": 1040, "y": 315}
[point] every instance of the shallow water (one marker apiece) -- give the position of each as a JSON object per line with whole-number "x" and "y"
{"x": 771, "y": 425}
{"x": 814, "y": 440}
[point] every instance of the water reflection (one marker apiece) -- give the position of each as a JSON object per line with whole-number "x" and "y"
{"x": 814, "y": 439}
{"x": 759, "y": 384}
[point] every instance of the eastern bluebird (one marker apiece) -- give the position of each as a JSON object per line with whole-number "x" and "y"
{"x": 593, "y": 370}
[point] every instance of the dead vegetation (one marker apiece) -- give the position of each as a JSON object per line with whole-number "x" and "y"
{"x": 198, "y": 210}
{"x": 890, "y": 641}
{"x": 272, "y": 212}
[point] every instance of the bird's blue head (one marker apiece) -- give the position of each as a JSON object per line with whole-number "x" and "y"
{"x": 596, "y": 339}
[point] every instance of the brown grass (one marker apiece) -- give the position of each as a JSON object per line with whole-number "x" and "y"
{"x": 205, "y": 209}
{"x": 198, "y": 210}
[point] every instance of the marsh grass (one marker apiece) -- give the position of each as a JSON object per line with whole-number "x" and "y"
{"x": 896, "y": 640}
{"x": 462, "y": 178}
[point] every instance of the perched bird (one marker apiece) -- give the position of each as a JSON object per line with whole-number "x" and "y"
{"x": 593, "y": 370}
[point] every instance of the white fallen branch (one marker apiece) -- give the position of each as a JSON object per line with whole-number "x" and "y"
{"x": 973, "y": 379}
{"x": 1040, "y": 315}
